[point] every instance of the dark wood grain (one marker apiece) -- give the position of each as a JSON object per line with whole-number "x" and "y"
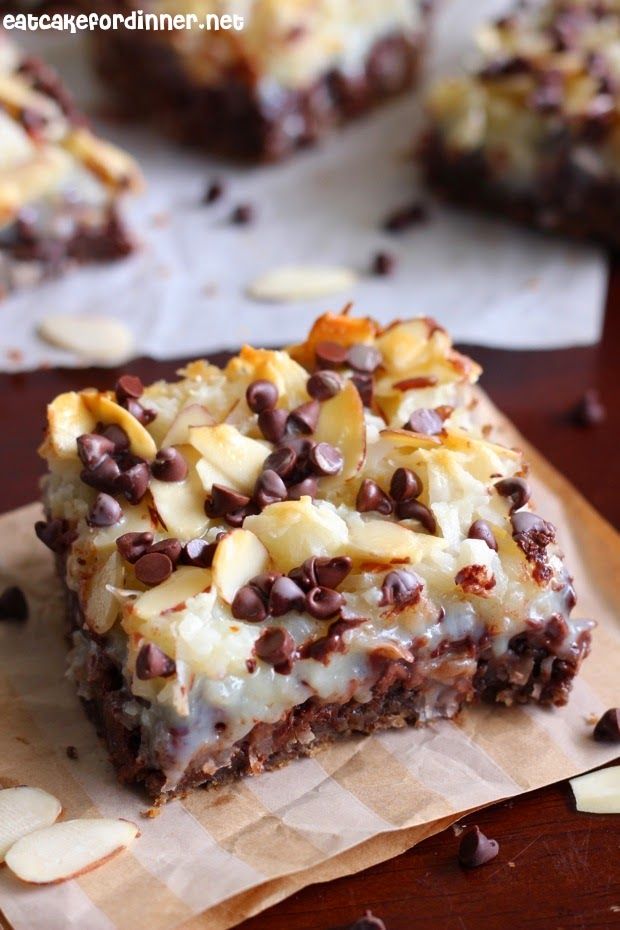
{"x": 557, "y": 870}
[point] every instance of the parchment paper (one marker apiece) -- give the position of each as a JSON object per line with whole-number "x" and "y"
{"x": 217, "y": 857}
{"x": 485, "y": 280}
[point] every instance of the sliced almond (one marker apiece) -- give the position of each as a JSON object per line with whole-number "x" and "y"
{"x": 97, "y": 339}
{"x": 107, "y": 411}
{"x": 192, "y": 415}
{"x": 181, "y": 504}
{"x": 68, "y": 417}
{"x": 385, "y": 541}
{"x": 598, "y": 792}
{"x": 294, "y": 530}
{"x": 278, "y": 367}
{"x": 301, "y": 282}
{"x": 115, "y": 167}
{"x": 235, "y": 458}
{"x": 22, "y": 810}
{"x": 100, "y": 606}
{"x": 341, "y": 423}
{"x": 239, "y": 557}
{"x": 403, "y": 439}
{"x": 68, "y": 849}
{"x": 186, "y": 582}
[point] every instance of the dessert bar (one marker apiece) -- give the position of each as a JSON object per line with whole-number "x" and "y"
{"x": 304, "y": 545}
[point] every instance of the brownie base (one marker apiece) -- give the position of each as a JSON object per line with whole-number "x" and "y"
{"x": 566, "y": 198}
{"x": 232, "y": 118}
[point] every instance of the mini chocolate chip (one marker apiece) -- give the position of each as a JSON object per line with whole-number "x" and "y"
{"x": 153, "y": 568}
{"x": 425, "y": 421}
{"x": 106, "y": 511}
{"x": 128, "y": 387}
{"x": 303, "y": 419}
{"x": 331, "y": 572}
{"x": 480, "y": 529}
{"x": 365, "y": 388}
{"x": 169, "y": 465}
{"x": 607, "y": 730}
{"x": 400, "y": 587}
{"x": 151, "y": 662}
{"x": 405, "y": 484}
{"x": 104, "y": 476}
{"x": 71, "y": 752}
{"x": 272, "y": 423}
{"x": 277, "y": 647}
{"x": 235, "y": 518}
{"x": 308, "y": 487}
{"x": 405, "y": 217}
{"x": 170, "y": 547}
{"x": 224, "y": 500}
{"x": 269, "y": 489}
{"x": 143, "y": 415}
{"x": 243, "y": 214}
{"x": 323, "y": 603}
{"x": 589, "y": 410}
{"x": 305, "y": 575}
{"x": 371, "y": 497}
{"x": 383, "y": 264}
{"x": 476, "y": 849}
{"x": 55, "y": 534}
{"x": 134, "y": 482}
{"x": 248, "y": 604}
{"x": 264, "y": 582}
{"x": 92, "y": 448}
{"x": 324, "y": 384}
{"x": 364, "y": 358}
{"x": 198, "y": 552}
{"x": 284, "y": 596}
{"x": 415, "y": 510}
{"x": 117, "y": 435}
{"x": 331, "y": 354}
{"x": 13, "y": 604}
{"x": 214, "y": 191}
{"x": 517, "y": 489}
{"x": 368, "y": 922}
{"x": 261, "y": 395}
{"x": 326, "y": 459}
{"x": 133, "y": 545}
{"x": 282, "y": 461}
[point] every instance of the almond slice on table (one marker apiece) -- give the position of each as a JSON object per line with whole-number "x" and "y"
{"x": 301, "y": 282}
{"x": 93, "y": 338}
{"x": 598, "y": 792}
{"x": 68, "y": 849}
{"x": 22, "y": 810}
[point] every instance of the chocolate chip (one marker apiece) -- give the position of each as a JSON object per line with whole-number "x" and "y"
{"x": 371, "y": 497}
{"x": 269, "y": 489}
{"x": 517, "y": 489}
{"x": 277, "y": 647}
{"x": 282, "y": 461}
{"x": 272, "y": 423}
{"x": 117, "y": 435}
{"x": 134, "y": 482}
{"x": 363, "y": 358}
{"x": 308, "y": 487}
{"x": 143, "y": 415}
{"x": 324, "y": 384}
{"x": 476, "y": 849}
{"x": 153, "y": 568}
{"x": 13, "y": 604}
{"x": 284, "y": 596}
{"x": 526, "y": 522}
{"x": 365, "y": 388}
{"x": 128, "y": 387}
{"x": 505, "y": 66}
{"x": 169, "y": 465}
{"x": 104, "y": 476}
{"x": 331, "y": 354}
{"x": 405, "y": 217}
{"x": 383, "y": 264}
{"x": 170, "y": 547}
{"x": 425, "y": 421}
{"x": 303, "y": 419}
{"x": 106, "y": 511}
{"x": 224, "y": 500}
{"x": 415, "y": 510}
{"x": 235, "y": 518}
{"x": 214, "y": 191}
{"x": 248, "y": 604}
{"x": 405, "y": 484}
{"x": 326, "y": 459}
{"x": 133, "y": 545}
{"x": 198, "y": 552}
{"x": 92, "y": 449}
{"x": 151, "y": 662}
{"x": 243, "y": 214}
{"x": 400, "y": 587}
{"x": 71, "y": 752}
{"x": 305, "y": 575}
{"x": 589, "y": 411}
{"x": 331, "y": 572}
{"x": 607, "y": 730}
{"x": 480, "y": 529}
{"x": 55, "y": 534}
{"x": 264, "y": 582}
{"x": 261, "y": 395}
{"x": 323, "y": 603}
{"x": 368, "y": 922}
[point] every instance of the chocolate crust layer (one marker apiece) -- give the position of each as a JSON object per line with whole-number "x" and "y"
{"x": 233, "y": 118}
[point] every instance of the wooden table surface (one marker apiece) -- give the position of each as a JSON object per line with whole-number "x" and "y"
{"x": 557, "y": 870}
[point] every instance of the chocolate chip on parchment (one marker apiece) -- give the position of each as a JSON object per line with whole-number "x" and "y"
{"x": 153, "y": 568}
{"x": 152, "y": 662}
{"x": 416, "y": 510}
{"x": 405, "y": 484}
{"x": 371, "y": 497}
{"x": 405, "y": 217}
{"x": 323, "y": 603}
{"x": 284, "y": 596}
{"x": 261, "y": 395}
{"x": 243, "y": 214}
{"x": 589, "y": 410}
{"x": 303, "y": 419}
{"x": 133, "y": 545}
{"x": 134, "y": 482}
{"x": 476, "y": 849}
{"x": 365, "y": 387}
{"x": 383, "y": 264}
{"x": 607, "y": 730}
{"x": 324, "y": 384}
{"x": 425, "y": 421}
{"x": 332, "y": 572}
{"x": 106, "y": 511}
{"x": 517, "y": 489}
{"x": 400, "y": 587}
{"x": 368, "y": 922}
{"x": 169, "y": 465}
{"x": 272, "y": 423}
{"x": 224, "y": 500}
{"x": 128, "y": 387}
{"x": 277, "y": 647}
{"x": 364, "y": 358}
{"x": 71, "y": 752}
{"x": 213, "y": 192}
{"x": 308, "y": 487}
{"x": 170, "y": 547}
{"x": 93, "y": 448}
{"x": 480, "y": 529}
{"x": 248, "y": 605}
{"x": 13, "y": 604}
{"x": 198, "y": 552}
{"x": 282, "y": 461}
{"x": 325, "y": 459}
{"x": 331, "y": 354}
{"x": 269, "y": 489}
